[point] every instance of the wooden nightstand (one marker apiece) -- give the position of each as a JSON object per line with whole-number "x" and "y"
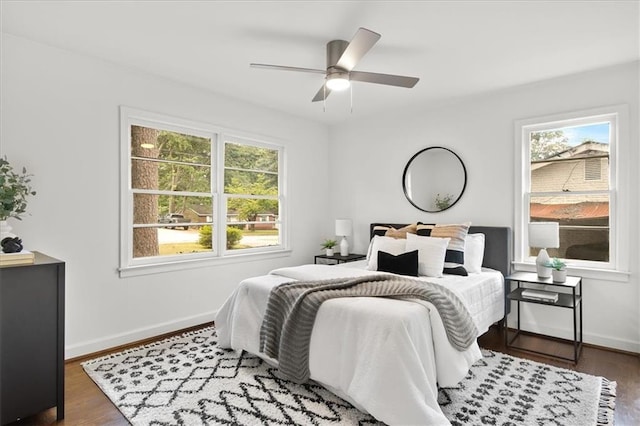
{"x": 568, "y": 300}
{"x": 339, "y": 258}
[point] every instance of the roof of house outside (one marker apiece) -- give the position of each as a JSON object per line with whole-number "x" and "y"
{"x": 587, "y": 149}
{"x": 201, "y": 210}
{"x": 570, "y": 211}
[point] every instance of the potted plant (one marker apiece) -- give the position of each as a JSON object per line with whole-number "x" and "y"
{"x": 14, "y": 190}
{"x": 328, "y": 245}
{"x": 558, "y": 270}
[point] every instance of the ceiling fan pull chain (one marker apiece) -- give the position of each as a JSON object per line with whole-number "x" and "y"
{"x": 324, "y": 97}
{"x": 351, "y": 97}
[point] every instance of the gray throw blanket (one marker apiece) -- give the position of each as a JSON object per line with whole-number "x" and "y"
{"x": 285, "y": 333}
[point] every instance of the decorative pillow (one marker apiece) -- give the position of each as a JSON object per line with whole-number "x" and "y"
{"x": 402, "y": 232}
{"x": 402, "y": 264}
{"x": 380, "y": 230}
{"x": 431, "y": 253}
{"x": 390, "y": 231}
{"x": 454, "y": 259}
{"x": 393, "y": 246}
{"x": 473, "y": 252}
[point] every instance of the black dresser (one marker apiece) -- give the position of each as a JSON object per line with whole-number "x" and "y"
{"x": 31, "y": 338}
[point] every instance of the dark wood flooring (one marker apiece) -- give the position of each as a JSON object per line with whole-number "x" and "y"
{"x": 87, "y": 405}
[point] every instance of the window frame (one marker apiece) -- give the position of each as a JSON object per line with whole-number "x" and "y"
{"x": 617, "y": 267}
{"x": 130, "y": 266}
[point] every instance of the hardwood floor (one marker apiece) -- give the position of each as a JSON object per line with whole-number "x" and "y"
{"x": 87, "y": 405}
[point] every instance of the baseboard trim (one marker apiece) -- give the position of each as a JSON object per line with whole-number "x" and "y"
{"x": 584, "y": 344}
{"x": 111, "y": 343}
{"x": 592, "y": 339}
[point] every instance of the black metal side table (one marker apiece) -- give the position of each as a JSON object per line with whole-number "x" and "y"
{"x": 337, "y": 258}
{"x": 572, "y": 300}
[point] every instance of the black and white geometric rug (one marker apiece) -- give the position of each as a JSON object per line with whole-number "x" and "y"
{"x": 189, "y": 380}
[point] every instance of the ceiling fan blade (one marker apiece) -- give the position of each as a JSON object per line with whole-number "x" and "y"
{"x": 388, "y": 79}
{"x": 322, "y": 94}
{"x": 361, "y": 43}
{"x": 286, "y": 68}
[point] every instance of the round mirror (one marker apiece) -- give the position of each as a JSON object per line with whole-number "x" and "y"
{"x": 434, "y": 179}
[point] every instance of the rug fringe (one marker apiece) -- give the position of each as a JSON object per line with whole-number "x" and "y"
{"x": 607, "y": 402}
{"x": 149, "y": 345}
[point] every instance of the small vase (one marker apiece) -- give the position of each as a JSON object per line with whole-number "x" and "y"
{"x": 329, "y": 252}
{"x": 5, "y": 230}
{"x": 559, "y": 276}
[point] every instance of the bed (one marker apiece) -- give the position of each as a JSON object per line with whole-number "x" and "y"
{"x": 385, "y": 356}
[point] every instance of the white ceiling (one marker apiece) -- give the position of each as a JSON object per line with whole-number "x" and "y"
{"x": 456, "y": 48}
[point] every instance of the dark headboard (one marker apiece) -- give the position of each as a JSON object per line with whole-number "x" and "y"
{"x": 497, "y": 245}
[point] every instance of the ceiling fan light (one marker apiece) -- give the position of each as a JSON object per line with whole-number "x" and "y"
{"x": 338, "y": 82}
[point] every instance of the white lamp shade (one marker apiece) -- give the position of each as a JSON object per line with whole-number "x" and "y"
{"x": 338, "y": 81}
{"x": 343, "y": 227}
{"x": 544, "y": 235}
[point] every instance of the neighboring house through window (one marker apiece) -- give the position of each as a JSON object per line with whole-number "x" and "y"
{"x": 568, "y": 173}
{"x": 195, "y": 192}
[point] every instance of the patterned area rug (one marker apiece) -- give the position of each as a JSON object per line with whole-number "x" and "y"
{"x": 189, "y": 380}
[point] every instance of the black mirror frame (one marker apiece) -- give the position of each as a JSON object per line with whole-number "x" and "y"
{"x": 406, "y": 168}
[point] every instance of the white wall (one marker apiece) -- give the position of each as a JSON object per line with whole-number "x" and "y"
{"x": 60, "y": 119}
{"x": 368, "y": 157}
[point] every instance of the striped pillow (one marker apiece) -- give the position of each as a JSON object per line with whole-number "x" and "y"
{"x": 390, "y": 231}
{"x": 380, "y": 230}
{"x": 402, "y": 232}
{"x": 454, "y": 257}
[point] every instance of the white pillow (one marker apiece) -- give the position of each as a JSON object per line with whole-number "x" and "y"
{"x": 394, "y": 246}
{"x": 473, "y": 252}
{"x": 431, "y": 252}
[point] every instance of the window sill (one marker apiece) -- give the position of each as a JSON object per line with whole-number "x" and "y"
{"x": 158, "y": 268}
{"x": 591, "y": 273}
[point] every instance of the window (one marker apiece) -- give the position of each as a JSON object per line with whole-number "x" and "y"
{"x": 568, "y": 168}
{"x": 187, "y": 196}
{"x": 251, "y": 180}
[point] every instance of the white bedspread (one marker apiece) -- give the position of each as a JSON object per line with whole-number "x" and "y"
{"x": 482, "y": 294}
{"x": 385, "y": 356}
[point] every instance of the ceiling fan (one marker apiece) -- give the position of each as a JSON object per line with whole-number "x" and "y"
{"x": 342, "y": 57}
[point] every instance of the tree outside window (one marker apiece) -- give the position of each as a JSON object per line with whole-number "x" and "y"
{"x": 171, "y": 183}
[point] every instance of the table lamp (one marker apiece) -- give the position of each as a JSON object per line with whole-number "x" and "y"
{"x": 544, "y": 235}
{"x": 343, "y": 229}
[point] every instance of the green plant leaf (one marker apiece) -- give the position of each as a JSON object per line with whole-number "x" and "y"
{"x": 14, "y": 190}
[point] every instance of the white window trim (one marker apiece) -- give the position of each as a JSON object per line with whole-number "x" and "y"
{"x": 219, "y": 255}
{"x": 618, "y": 268}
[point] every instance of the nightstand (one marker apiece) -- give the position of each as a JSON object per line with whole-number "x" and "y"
{"x": 337, "y": 258}
{"x": 568, "y": 298}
